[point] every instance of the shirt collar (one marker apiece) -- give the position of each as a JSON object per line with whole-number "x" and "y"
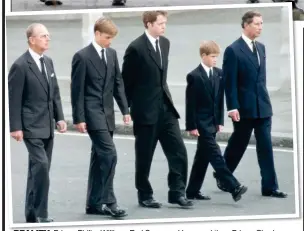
{"x": 151, "y": 38}
{"x": 247, "y": 40}
{"x": 207, "y": 69}
{"x": 97, "y": 46}
{"x": 34, "y": 54}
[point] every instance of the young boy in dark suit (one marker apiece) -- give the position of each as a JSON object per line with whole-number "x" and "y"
{"x": 204, "y": 118}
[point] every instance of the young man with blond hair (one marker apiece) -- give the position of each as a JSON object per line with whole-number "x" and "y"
{"x": 204, "y": 118}
{"x": 96, "y": 79}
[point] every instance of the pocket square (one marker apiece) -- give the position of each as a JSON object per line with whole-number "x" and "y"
{"x": 52, "y": 75}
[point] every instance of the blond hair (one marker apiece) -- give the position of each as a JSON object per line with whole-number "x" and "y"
{"x": 105, "y": 25}
{"x": 209, "y": 47}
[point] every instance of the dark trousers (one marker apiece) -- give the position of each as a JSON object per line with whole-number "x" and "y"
{"x": 102, "y": 169}
{"x": 167, "y": 132}
{"x": 238, "y": 143}
{"x": 38, "y": 182}
{"x": 209, "y": 151}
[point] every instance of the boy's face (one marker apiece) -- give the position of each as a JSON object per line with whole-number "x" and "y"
{"x": 209, "y": 60}
{"x": 103, "y": 39}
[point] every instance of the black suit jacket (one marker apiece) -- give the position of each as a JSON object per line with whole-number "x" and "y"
{"x": 34, "y": 102}
{"x": 92, "y": 91}
{"x": 146, "y": 80}
{"x": 204, "y": 103}
{"x": 245, "y": 80}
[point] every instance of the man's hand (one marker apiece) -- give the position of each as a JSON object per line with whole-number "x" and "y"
{"x": 81, "y": 127}
{"x": 234, "y": 115}
{"x": 126, "y": 119}
{"x": 17, "y": 135}
{"x": 62, "y": 126}
{"x": 194, "y": 132}
{"x": 219, "y": 128}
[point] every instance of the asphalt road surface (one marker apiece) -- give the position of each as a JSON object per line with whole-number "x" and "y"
{"x": 69, "y": 172}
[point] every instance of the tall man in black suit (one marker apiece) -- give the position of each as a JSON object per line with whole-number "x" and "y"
{"x": 204, "y": 118}
{"x": 248, "y": 102}
{"x": 96, "y": 78}
{"x": 34, "y": 103}
{"x": 155, "y": 118}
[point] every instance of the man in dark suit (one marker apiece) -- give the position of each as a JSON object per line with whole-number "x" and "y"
{"x": 34, "y": 103}
{"x": 204, "y": 118}
{"x": 155, "y": 118}
{"x": 248, "y": 102}
{"x": 96, "y": 78}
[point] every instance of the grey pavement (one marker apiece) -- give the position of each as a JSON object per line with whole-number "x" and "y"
{"x": 185, "y": 31}
{"x": 36, "y": 5}
{"x": 69, "y": 172}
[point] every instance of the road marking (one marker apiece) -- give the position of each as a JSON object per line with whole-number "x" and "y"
{"x": 128, "y": 137}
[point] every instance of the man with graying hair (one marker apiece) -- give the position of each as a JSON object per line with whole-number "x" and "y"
{"x": 248, "y": 103}
{"x": 34, "y": 104}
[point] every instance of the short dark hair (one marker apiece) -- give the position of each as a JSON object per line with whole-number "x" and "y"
{"x": 248, "y": 17}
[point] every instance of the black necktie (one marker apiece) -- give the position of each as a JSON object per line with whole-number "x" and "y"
{"x": 211, "y": 77}
{"x": 43, "y": 69}
{"x": 158, "y": 53}
{"x": 254, "y": 50}
{"x": 103, "y": 59}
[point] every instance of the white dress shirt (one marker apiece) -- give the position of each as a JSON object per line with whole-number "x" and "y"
{"x": 153, "y": 40}
{"x": 99, "y": 48}
{"x": 207, "y": 69}
{"x": 36, "y": 58}
{"x": 248, "y": 41}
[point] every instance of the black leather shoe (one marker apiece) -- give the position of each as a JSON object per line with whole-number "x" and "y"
{"x": 238, "y": 192}
{"x": 94, "y": 211}
{"x": 198, "y": 196}
{"x": 114, "y": 211}
{"x": 150, "y": 203}
{"x": 181, "y": 201}
{"x": 44, "y": 220}
{"x": 31, "y": 218}
{"x": 119, "y": 2}
{"x": 275, "y": 193}
{"x": 219, "y": 184}
{"x": 52, "y": 3}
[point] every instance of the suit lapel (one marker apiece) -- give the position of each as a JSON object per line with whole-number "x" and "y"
{"x": 152, "y": 52}
{"x": 206, "y": 80}
{"x": 164, "y": 52}
{"x": 246, "y": 50}
{"x": 96, "y": 60}
{"x": 49, "y": 73}
{"x": 216, "y": 82}
{"x": 109, "y": 56}
{"x": 34, "y": 68}
{"x": 261, "y": 54}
